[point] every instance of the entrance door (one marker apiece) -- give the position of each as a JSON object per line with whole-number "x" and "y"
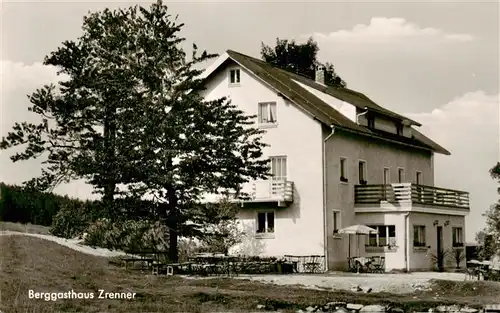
{"x": 440, "y": 252}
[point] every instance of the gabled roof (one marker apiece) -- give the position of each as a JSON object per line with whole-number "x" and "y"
{"x": 284, "y": 83}
{"x": 355, "y": 98}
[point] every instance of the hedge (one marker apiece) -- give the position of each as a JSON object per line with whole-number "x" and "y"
{"x": 22, "y": 205}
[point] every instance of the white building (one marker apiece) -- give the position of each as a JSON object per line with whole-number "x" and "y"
{"x": 338, "y": 159}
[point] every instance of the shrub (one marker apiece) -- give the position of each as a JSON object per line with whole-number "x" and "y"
{"x": 128, "y": 235}
{"x": 188, "y": 247}
{"x": 439, "y": 258}
{"x": 73, "y": 218}
{"x": 220, "y": 238}
{"x": 458, "y": 255}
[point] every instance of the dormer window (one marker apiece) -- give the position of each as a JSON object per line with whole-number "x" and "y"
{"x": 399, "y": 129}
{"x": 234, "y": 77}
{"x": 371, "y": 121}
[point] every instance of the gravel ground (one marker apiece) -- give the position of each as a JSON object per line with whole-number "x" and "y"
{"x": 393, "y": 283}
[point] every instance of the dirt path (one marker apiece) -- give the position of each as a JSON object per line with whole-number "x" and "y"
{"x": 393, "y": 283}
{"x": 75, "y": 244}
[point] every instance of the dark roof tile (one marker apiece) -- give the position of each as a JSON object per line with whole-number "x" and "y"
{"x": 283, "y": 82}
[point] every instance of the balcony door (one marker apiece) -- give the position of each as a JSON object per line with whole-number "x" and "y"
{"x": 387, "y": 176}
{"x": 387, "y": 181}
{"x": 278, "y": 167}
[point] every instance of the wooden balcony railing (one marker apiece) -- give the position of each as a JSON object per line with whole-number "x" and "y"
{"x": 411, "y": 193}
{"x": 272, "y": 190}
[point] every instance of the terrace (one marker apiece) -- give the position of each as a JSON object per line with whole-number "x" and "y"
{"x": 409, "y": 196}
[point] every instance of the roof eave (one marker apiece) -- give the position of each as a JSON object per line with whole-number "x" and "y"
{"x": 437, "y": 149}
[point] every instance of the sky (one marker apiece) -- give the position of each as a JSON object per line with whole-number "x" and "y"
{"x": 436, "y": 62}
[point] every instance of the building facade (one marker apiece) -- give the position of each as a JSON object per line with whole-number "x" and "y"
{"x": 338, "y": 159}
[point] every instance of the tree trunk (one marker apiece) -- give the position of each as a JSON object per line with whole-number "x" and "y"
{"x": 108, "y": 176}
{"x": 172, "y": 219}
{"x": 173, "y": 248}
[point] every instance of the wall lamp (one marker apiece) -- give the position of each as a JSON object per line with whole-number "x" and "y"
{"x": 436, "y": 222}
{"x": 446, "y": 223}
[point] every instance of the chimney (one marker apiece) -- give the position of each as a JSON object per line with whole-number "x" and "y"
{"x": 320, "y": 74}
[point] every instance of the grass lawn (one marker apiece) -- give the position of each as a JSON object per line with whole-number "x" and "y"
{"x": 43, "y": 266}
{"x": 24, "y": 228}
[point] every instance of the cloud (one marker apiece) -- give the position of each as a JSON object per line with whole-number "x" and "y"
{"x": 17, "y": 80}
{"x": 17, "y": 76}
{"x": 382, "y": 30}
{"x": 468, "y": 126}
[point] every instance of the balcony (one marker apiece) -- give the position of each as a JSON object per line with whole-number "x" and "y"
{"x": 407, "y": 195}
{"x": 271, "y": 191}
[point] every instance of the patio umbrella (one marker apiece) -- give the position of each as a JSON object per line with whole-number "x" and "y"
{"x": 357, "y": 230}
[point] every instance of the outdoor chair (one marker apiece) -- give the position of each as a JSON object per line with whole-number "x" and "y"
{"x": 312, "y": 264}
{"x": 351, "y": 263}
{"x": 371, "y": 265}
{"x": 378, "y": 265}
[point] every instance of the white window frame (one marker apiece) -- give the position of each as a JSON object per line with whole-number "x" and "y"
{"x": 365, "y": 170}
{"x": 401, "y": 175}
{"x": 388, "y": 238}
{"x": 267, "y": 231}
{"x": 237, "y": 77}
{"x": 457, "y": 233}
{"x": 388, "y": 181}
{"x": 418, "y": 177}
{"x": 269, "y": 112}
{"x": 282, "y": 168}
{"x": 343, "y": 169}
{"x": 420, "y": 244}
{"x": 337, "y": 217}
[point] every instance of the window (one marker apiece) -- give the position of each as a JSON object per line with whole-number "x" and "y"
{"x": 418, "y": 178}
{"x": 265, "y": 222}
{"x": 419, "y": 236}
{"x": 387, "y": 176}
{"x": 362, "y": 172}
{"x": 457, "y": 233}
{"x": 401, "y": 175}
{"x": 371, "y": 121}
{"x": 278, "y": 167}
{"x": 343, "y": 169}
{"x": 336, "y": 221}
{"x": 386, "y": 236}
{"x": 234, "y": 76}
{"x": 399, "y": 129}
{"x": 267, "y": 113}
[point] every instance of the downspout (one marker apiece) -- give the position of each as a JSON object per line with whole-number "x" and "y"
{"x": 361, "y": 114}
{"x": 407, "y": 245}
{"x": 325, "y": 216}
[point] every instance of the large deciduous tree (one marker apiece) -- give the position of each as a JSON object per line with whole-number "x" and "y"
{"x": 300, "y": 59}
{"x": 492, "y": 231}
{"x": 187, "y": 147}
{"x": 132, "y": 114}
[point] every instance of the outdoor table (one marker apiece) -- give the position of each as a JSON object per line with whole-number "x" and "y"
{"x": 211, "y": 263}
{"x": 132, "y": 260}
{"x": 364, "y": 262}
{"x": 483, "y": 268}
